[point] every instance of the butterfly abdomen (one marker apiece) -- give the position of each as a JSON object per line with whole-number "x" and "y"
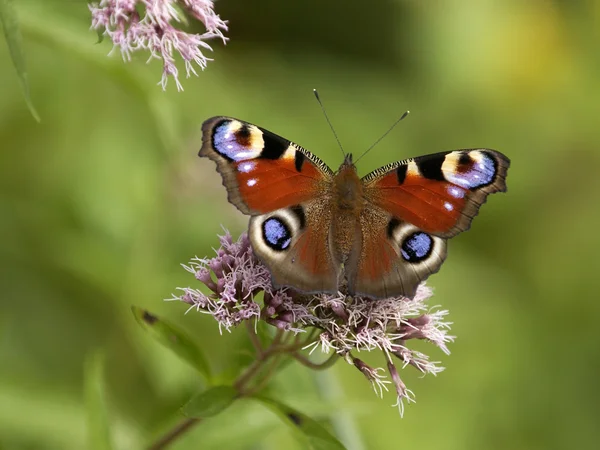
{"x": 345, "y": 236}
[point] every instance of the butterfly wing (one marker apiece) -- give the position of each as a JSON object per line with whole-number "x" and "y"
{"x": 285, "y": 189}
{"x": 439, "y": 193}
{"x": 414, "y": 206}
{"x": 261, "y": 171}
{"x": 395, "y": 256}
{"x": 293, "y": 243}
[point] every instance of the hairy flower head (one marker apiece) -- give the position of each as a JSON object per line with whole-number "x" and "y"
{"x": 134, "y": 25}
{"x": 240, "y": 289}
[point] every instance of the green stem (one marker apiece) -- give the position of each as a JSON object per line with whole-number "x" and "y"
{"x": 270, "y": 372}
{"x": 174, "y": 433}
{"x": 245, "y": 377}
{"x": 254, "y": 338}
{"x": 276, "y": 349}
{"x": 316, "y": 366}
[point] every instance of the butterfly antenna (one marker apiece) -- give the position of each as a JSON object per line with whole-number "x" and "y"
{"x": 384, "y": 135}
{"x": 329, "y": 122}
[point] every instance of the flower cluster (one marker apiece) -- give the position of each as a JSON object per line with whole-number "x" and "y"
{"x": 134, "y": 25}
{"x": 345, "y": 324}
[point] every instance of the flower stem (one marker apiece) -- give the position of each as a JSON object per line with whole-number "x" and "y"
{"x": 274, "y": 351}
{"x": 316, "y": 366}
{"x": 254, "y": 338}
{"x": 267, "y": 377}
{"x": 173, "y": 434}
{"x": 261, "y": 357}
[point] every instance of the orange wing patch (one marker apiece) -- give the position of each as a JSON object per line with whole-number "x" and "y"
{"x": 312, "y": 253}
{"x": 433, "y": 206}
{"x": 266, "y": 185}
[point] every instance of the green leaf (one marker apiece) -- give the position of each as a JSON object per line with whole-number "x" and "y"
{"x": 308, "y": 431}
{"x": 174, "y": 339}
{"x": 12, "y": 34}
{"x": 95, "y": 399}
{"x": 210, "y": 402}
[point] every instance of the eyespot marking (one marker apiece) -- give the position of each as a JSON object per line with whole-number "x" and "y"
{"x": 298, "y": 211}
{"x": 391, "y": 228}
{"x": 417, "y": 247}
{"x": 237, "y": 141}
{"x": 475, "y": 170}
{"x": 276, "y": 234}
{"x": 464, "y": 159}
{"x": 243, "y": 136}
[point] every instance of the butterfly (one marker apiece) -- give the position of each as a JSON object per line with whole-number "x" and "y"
{"x": 319, "y": 231}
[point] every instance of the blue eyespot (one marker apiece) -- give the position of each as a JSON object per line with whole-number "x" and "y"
{"x": 234, "y": 141}
{"x": 474, "y": 174}
{"x": 417, "y": 247}
{"x": 276, "y": 234}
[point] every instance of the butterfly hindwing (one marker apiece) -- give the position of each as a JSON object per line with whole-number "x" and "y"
{"x": 293, "y": 243}
{"x": 262, "y": 172}
{"x": 439, "y": 193}
{"x": 395, "y": 255}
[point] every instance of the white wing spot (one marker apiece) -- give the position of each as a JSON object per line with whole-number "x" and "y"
{"x": 246, "y": 167}
{"x": 456, "y": 192}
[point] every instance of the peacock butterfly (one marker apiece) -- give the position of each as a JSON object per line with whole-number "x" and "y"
{"x": 317, "y": 230}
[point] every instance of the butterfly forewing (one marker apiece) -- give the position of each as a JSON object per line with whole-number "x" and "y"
{"x": 438, "y": 193}
{"x": 261, "y": 170}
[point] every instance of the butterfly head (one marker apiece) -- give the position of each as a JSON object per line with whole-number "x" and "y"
{"x": 348, "y": 160}
{"x": 348, "y": 163}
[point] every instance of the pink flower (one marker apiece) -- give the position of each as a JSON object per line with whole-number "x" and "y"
{"x": 344, "y": 325}
{"x": 153, "y": 31}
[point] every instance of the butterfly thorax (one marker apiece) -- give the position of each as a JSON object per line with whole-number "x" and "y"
{"x": 348, "y": 188}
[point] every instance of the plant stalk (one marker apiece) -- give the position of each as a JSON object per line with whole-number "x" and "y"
{"x": 276, "y": 349}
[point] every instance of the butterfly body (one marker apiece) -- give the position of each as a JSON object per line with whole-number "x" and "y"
{"x": 347, "y": 205}
{"x": 318, "y": 230}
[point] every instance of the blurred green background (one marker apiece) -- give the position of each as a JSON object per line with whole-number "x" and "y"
{"x": 102, "y": 200}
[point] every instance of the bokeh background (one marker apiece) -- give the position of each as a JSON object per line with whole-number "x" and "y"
{"x": 102, "y": 200}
